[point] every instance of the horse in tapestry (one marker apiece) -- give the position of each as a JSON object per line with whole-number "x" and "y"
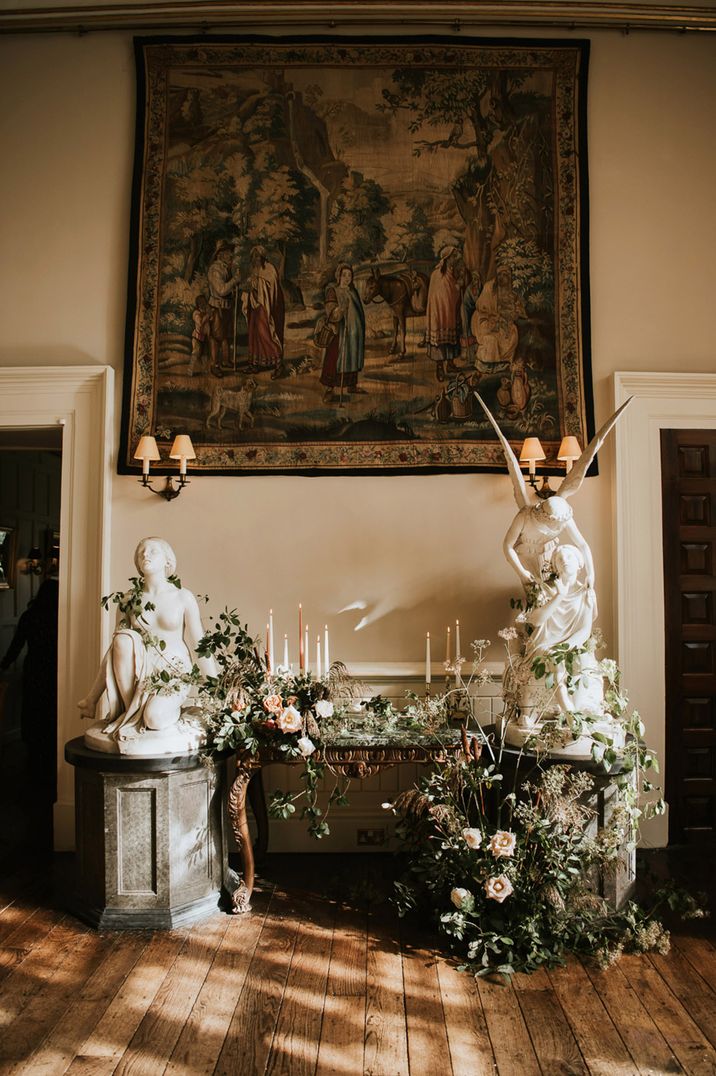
{"x": 405, "y": 292}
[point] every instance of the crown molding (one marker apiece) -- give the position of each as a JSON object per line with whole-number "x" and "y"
{"x": 349, "y": 15}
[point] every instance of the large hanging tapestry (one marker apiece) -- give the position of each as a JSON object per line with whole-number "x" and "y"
{"x": 335, "y": 243}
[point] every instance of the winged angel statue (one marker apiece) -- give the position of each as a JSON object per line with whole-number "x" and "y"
{"x": 554, "y": 563}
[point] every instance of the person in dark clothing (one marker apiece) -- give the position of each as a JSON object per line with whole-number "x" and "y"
{"x": 37, "y": 630}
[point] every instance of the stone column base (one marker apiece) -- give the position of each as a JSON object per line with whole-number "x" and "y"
{"x": 151, "y": 842}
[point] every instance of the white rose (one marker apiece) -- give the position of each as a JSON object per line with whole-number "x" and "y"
{"x": 472, "y": 838}
{"x": 290, "y": 720}
{"x": 498, "y": 888}
{"x": 324, "y": 708}
{"x": 462, "y": 899}
{"x": 502, "y": 843}
{"x": 306, "y": 746}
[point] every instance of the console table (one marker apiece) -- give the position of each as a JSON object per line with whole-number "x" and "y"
{"x": 356, "y": 754}
{"x": 360, "y": 754}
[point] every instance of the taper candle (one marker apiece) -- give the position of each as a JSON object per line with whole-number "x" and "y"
{"x": 326, "y": 660}
{"x": 305, "y": 652}
{"x": 427, "y": 659}
{"x": 268, "y": 654}
{"x": 447, "y": 646}
{"x": 270, "y": 641}
{"x": 285, "y": 651}
{"x": 318, "y": 657}
{"x": 458, "y": 651}
{"x": 301, "y": 654}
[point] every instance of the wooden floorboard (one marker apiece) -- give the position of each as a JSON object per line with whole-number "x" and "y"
{"x": 647, "y": 1047}
{"x": 599, "y": 1041}
{"x": 552, "y": 1038}
{"x": 342, "y": 1044}
{"x": 303, "y": 986}
{"x": 386, "y": 1047}
{"x": 428, "y": 1048}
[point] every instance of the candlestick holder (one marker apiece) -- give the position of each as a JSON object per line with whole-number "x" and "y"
{"x": 427, "y": 692}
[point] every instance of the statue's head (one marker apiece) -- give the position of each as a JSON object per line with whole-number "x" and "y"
{"x": 155, "y": 547}
{"x": 567, "y": 560}
{"x": 554, "y": 510}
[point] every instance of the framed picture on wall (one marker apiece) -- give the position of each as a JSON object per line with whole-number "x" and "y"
{"x": 336, "y": 242}
{"x": 7, "y": 557}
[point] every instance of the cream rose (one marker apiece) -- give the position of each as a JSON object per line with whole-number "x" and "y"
{"x": 472, "y": 838}
{"x": 306, "y": 746}
{"x": 273, "y": 704}
{"x": 324, "y": 708}
{"x": 462, "y": 899}
{"x": 502, "y": 843}
{"x": 498, "y": 888}
{"x": 290, "y": 720}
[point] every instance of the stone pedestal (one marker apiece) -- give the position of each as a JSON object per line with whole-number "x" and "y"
{"x": 150, "y": 838}
{"x": 616, "y": 885}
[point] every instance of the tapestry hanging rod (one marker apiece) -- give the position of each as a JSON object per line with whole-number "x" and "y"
{"x": 208, "y": 16}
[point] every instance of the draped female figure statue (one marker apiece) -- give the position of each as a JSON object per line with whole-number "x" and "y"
{"x": 146, "y": 676}
{"x": 546, "y": 549}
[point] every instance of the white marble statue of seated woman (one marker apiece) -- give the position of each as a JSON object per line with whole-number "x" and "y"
{"x": 159, "y": 633}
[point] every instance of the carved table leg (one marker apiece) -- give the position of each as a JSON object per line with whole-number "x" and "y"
{"x": 241, "y": 897}
{"x": 257, "y": 800}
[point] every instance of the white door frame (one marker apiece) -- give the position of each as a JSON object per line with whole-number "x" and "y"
{"x": 661, "y": 401}
{"x": 80, "y": 399}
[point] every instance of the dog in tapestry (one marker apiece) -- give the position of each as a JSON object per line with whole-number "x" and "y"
{"x": 238, "y": 400}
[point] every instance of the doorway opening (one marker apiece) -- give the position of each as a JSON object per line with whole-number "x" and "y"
{"x": 30, "y": 566}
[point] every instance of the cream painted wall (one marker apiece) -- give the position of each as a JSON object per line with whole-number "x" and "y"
{"x": 419, "y": 551}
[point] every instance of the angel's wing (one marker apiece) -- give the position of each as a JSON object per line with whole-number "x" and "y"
{"x": 576, "y": 476}
{"x": 518, "y": 481}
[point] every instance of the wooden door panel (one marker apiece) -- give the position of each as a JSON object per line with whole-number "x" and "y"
{"x": 689, "y": 522}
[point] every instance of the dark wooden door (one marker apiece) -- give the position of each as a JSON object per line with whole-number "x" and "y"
{"x": 688, "y": 459}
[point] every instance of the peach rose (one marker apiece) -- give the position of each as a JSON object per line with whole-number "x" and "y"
{"x": 472, "y": 838}
{"x": 498, "y": 888}
{"x": 502, "y": 843}
{"x": 273, "y": 704}
{"x": 462, "y": 899}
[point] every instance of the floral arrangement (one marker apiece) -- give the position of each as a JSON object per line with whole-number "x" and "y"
{"x": 249, "y": 708}
{"x": 503, "y": 848}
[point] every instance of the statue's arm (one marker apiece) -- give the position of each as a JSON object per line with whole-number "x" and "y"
{"x": 509, "y": 544}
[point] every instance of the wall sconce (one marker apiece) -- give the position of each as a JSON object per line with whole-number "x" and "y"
{"x": 33, "y": 563}
{"x": 182, "y": 449}
{"x": 532, "y": 452}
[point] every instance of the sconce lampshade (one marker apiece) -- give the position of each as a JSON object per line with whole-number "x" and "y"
{"x": 182, "y": 449}
{"x": 569, "y": 450}
{"x": 532, "y": 450}
{"x": 147, "y": 449}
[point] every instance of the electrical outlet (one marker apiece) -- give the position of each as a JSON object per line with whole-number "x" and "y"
{"x": 371, "y": 836}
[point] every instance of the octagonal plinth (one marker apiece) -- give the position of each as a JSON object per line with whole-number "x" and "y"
{"x": 150, "y": 839}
